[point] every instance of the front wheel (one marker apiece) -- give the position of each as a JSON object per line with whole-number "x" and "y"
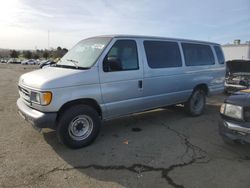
{"x": 196, "y": 103}
{"x": 78, "y": 126}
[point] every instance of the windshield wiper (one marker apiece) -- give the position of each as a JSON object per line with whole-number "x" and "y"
{"x": 70, "y": 67}
{"x": 74, "y": 62}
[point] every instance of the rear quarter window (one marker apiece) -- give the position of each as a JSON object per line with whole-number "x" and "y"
{"x": 219, "y": 54}
{"x": 197, "y": 54}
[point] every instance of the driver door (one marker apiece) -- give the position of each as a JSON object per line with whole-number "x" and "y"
{"x": 122, "y": 81}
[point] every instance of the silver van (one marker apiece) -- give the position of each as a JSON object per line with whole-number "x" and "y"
{"x": 106, "y": 77}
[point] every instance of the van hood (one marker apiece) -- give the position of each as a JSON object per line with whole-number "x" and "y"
{"x": 57, "y": 77}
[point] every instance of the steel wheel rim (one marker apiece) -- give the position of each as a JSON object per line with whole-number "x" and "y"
{"x": 80, "y": 127}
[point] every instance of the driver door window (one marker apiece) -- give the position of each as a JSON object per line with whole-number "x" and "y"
{"x": 121, "y": 57}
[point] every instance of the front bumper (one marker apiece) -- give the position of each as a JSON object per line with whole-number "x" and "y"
{"x": 234, "y": 130}
{"x": 36, "y": 118}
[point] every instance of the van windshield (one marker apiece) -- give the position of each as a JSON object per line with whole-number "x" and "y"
{"x": 85, "y": 53}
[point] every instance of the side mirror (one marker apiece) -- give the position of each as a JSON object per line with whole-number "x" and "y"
{"x": 243, "y": 83}
{"x": 112, "y": 64}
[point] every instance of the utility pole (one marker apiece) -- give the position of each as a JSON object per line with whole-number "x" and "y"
{"x": 48, "y": 40}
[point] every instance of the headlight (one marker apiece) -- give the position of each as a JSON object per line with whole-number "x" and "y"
{"x": 35, "y": 97}
{"x": 232, "y": 111}
{"x": 222, "y": 108}
{"x": 43, "y": 98}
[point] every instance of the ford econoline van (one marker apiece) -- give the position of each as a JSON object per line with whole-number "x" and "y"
{"x": 107, "y": 77}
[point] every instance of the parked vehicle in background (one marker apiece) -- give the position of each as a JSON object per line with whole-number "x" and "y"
{"x": 29, "y": 62}
{"x": 46, "y": 63}
{"x": 106, "y": 77}
{"x": 237, "y": 75}
{"x": 41, "y": 61}
{"x": 9, "y": 61}
{"x": 24, "y": 62}
{"x": 235, "y": 118}
{"x": 4, "y": 60}
{"x": 14, "y": 61}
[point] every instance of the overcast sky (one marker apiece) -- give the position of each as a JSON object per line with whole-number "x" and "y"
{"x": 24, "y": 24}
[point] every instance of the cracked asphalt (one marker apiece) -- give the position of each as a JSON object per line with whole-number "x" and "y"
{"x": 159, "y": 148}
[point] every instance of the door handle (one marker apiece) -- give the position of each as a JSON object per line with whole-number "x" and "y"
{"x": 140, "y": 84}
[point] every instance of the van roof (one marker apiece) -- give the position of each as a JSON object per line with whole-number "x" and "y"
{"x": 155, "y": 37}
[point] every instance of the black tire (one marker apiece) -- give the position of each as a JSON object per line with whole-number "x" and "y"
{"x": 73, "y": 121}
{"x": 195, "y": 105}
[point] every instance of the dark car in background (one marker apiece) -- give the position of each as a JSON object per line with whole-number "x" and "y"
{"x": 237, "y": 75}
{"x": 235, "y": 117}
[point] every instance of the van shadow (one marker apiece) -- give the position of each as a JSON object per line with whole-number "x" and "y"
{"x": 138, "y": 144}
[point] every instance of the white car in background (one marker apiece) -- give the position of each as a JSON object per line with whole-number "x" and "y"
{"x": 29, "y": 62}
{"x": 14, "y": 61}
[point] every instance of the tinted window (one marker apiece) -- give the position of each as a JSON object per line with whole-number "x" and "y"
{"x": 124, "y": 53}
{"x": 197, "y": 54}
{"x": 219, "y": 54}
{"x": 161, "y": 54}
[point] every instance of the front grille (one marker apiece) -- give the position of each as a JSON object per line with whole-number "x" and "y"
{"x": 24, "y": 93}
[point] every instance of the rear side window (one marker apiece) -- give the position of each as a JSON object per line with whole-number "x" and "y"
{"x": 197, "y": 54}
{"x": 125, "y": 53}
{"x": 162, "y": 54}
{"x": 219, "y": 54}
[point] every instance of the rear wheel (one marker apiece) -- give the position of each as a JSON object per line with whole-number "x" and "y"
{"x": 196, "y": 104}
{"x": 78, "y": 126}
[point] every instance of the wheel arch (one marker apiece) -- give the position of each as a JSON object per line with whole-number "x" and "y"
{"x": 87, "y": 101}
{"x": 203, "y": 87}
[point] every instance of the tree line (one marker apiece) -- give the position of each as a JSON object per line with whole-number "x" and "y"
{"x": 38, "y": 54}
